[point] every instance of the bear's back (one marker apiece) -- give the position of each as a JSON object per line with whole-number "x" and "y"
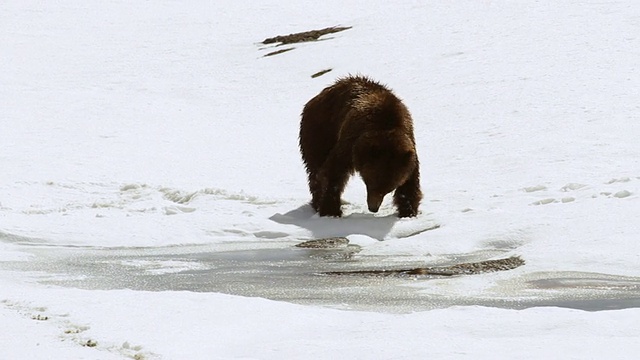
{"x": 351, "y": 107}
{"x": 374, "y": 107}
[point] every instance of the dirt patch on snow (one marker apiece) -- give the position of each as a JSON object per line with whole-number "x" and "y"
{"x": 472, "y": 268}
{"x": 320, "y": 73}
{"x": 305, "y": 36}
{"x": 469, "y": 268}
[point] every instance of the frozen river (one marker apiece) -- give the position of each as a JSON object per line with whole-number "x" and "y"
{"x": 300, "y": 275}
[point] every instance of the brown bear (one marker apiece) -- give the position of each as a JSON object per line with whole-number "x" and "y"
{"x": 359, "y": 125}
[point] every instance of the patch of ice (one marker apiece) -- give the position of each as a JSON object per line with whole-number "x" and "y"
{"x": 622, "y": 194}
{"x": 158, "y": 267}
{"x": 535, "y": 188}
{"x": 270, "y": 234}
{"x": 572, "y": 186}
{"x": 622, "y": 180}
{"x": 9, "y": 252}
{"x": 544, "y": 201}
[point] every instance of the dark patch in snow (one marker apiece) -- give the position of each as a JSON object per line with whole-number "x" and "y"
{"x": 305, "y": 36}
{"x": 278, "y": 52}
{"x": 320, "y": 73}
{"x": 472, "y": 268}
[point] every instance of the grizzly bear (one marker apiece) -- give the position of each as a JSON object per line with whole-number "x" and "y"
{"x": 359, "y": 125}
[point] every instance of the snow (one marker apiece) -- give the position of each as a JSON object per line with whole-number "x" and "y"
{"x": 189, "y": 325}
{"x": 162, "y": 125}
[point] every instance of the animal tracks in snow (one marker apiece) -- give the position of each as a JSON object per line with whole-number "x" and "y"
{"x": 70, "y": 331}
{"x": 105, "y": 199}
{"x": 616, "y": 188}
{"x": 118, "y": 214}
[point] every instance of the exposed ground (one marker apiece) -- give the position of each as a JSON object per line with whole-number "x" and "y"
{"x": 320, "y": 73}
{"x": 469, "y": 268}
{"x": 472, "y": 268}
{"x": 305, "y": 36}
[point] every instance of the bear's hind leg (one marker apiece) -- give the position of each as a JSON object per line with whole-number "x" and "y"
{"x": 332, "y": 190}
{"x": 407, "y": 197}
{"x": 315, "y": 188}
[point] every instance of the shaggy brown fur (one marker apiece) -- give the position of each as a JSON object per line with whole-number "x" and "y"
{"x": 358, "y": 125}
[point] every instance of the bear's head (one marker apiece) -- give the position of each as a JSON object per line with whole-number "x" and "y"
{"x": 384, "y": 160}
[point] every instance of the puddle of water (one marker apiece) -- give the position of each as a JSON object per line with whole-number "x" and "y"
{"x": 297, "y": 275}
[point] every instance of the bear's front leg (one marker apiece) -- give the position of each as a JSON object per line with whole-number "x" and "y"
{"x": 407, "y": 197}
{"x": 330, "y": 204}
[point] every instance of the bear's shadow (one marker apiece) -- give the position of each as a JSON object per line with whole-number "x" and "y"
{"x": 377, "y": 227}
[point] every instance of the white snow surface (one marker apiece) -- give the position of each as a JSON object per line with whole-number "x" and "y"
{"x": 148, "y": 124}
